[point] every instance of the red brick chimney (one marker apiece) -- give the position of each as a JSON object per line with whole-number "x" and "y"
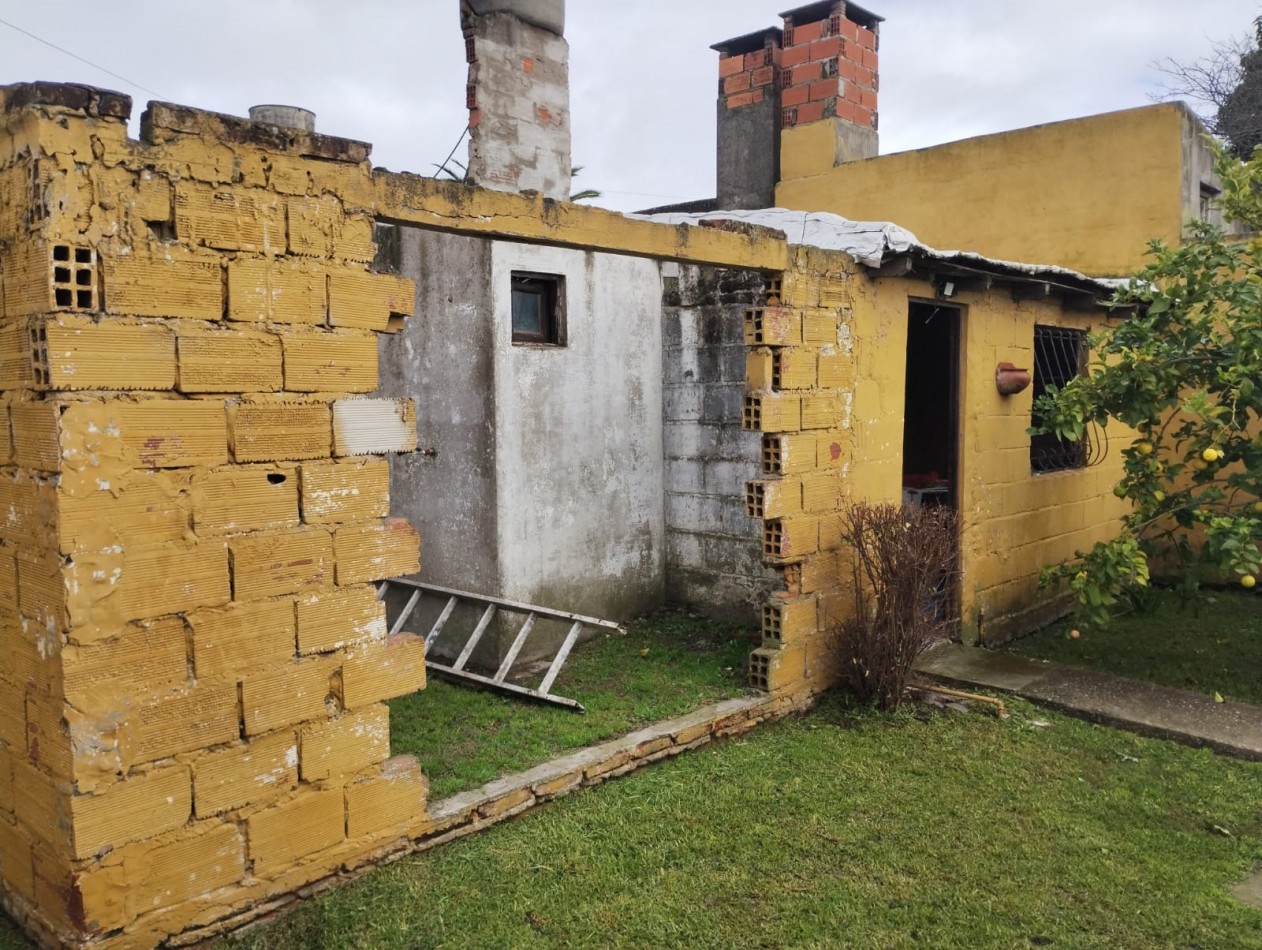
{"x": 829, "y": 74}
{"x": 796, "y": 101}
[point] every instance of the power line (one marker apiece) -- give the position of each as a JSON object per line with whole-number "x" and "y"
{"x": 108, "y": 72}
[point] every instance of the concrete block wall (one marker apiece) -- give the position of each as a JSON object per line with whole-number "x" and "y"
{"x": 192, "y": 715}
{"x": 713, "y": 551}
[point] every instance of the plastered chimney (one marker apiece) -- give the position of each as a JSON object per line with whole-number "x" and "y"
{"x": 749, "y": 120}
{"x": 518, "y": 95}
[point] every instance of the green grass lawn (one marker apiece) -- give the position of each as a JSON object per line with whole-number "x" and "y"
{"x": 1214, "y": 648}
{"x": 664, "y": 666}
{"x": 840, "y": 829}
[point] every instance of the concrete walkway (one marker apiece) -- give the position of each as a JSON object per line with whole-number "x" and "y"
{"x": 1232, "y": 728}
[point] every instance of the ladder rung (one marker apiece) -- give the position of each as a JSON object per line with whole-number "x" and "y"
{"x": 559, "y": 660}
{"x": 439, "y": 623}
{"x": 407, "y": 612}
{"x": 473, "y": 640}
{"x": 518, "y": 643}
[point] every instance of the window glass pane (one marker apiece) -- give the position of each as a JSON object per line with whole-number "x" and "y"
{"x": 528, "y": 312}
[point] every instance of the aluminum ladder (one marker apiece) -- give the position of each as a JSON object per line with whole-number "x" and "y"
{"x": 493, "y": 606}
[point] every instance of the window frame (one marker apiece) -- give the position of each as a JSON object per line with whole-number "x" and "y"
{"x": 1049, "y": 453}
{"x": 550, "y": 288}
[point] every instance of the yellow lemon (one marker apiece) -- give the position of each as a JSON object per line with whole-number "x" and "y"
{"x": 1199, "y": 464}
{"x": 1159, "y": 496}
{"x": 1144, "y": 448}
{"x": 1257, "y": 507}
{"x": 1211, "y": 455}
{"x": 1248, "y": 582}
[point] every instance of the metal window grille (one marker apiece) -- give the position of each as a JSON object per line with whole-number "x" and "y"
{"x": 1059, "y": 355}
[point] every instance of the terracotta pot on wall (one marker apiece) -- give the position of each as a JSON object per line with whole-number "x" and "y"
{"x": 1010, "y": 380}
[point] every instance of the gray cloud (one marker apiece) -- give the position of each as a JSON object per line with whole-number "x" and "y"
{"x": 644, "y": 80}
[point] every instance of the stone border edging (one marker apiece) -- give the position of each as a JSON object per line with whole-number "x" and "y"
{"x": 470, "y": 812}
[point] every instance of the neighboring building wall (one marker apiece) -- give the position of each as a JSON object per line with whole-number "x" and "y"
{"x": 1088, "y": 194}
{"x": 713, "y": 551}
{"x": 579, "y": 437}
{"x": 191, "y": 699}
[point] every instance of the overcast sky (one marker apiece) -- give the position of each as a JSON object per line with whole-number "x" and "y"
{"x": 643, "y": 78}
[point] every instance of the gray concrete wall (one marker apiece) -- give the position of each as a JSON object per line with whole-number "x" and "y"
{"x": 748, "y": 154}
{"x": 443, "y": 358}
{"x": 579, "y": 435}
{"x": 714, "y": 552}
{"x": 1198, "y": 170}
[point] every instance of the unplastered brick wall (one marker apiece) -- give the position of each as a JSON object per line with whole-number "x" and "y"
{"x": 801, "y": 390}
{"x": 829, "y": 68}
{"x": 713, "y": 551}
{"x": 749, "y": 78}
{"x": 193, "y": 497}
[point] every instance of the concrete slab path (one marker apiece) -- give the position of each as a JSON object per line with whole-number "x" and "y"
{"x": 1231, "y": 728}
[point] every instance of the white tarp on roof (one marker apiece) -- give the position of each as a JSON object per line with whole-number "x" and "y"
{"x": 868, "y": 242}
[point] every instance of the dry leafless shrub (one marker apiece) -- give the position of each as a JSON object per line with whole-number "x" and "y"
{"x": 903, "y": 576}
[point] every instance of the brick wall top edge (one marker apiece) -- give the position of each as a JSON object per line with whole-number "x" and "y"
{"x": 170, "y": 117}
{"x": 86, "y": 99}
{"x": 823, "y": 9}
{"x": 745, "y": 228}
{"x": 750, "y": 42}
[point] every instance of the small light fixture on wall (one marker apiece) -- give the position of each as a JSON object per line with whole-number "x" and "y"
{"x": 1011, "y": 379}
{"x": 946, "y": 289}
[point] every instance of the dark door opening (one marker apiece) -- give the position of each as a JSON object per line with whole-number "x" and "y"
{"x": 931, "y": 417}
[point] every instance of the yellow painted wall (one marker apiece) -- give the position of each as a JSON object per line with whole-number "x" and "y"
{"x": 827, "y": 376}
{"x": 1014, "y": 522}
{"x": 1087, "y": 194}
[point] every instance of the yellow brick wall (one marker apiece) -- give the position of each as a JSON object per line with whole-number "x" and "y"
{"x": 827, "y": 371}
{"x": 193, "y": 662}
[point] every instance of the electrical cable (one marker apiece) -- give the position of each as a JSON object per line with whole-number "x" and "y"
{"x": 108, "y": 72}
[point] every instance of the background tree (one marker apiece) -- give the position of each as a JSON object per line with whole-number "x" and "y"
{"x": 1184, "y": 370}
{"x": 1225, "y": 89}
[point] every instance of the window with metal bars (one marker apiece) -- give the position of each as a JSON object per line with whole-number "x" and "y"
{"x": 1060, "y": 354}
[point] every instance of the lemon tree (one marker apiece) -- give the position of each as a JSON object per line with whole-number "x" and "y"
{"x": 1184, "y": 371}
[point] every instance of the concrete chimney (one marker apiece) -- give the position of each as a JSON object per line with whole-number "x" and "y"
{"x": 518, "y": 95}
{"x": 749, "y": 121}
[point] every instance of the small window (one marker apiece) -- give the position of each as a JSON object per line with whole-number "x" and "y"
{"x": 1209, "y": 210}
{"x": 538, "y": 309}
{"x": 1059, "y": 356}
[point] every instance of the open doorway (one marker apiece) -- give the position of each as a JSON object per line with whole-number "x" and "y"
{"x": 931, "y": 417}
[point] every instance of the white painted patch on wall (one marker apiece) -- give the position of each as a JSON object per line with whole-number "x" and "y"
{"x": 845, "y": 337}
{"x": 371, "y": 426}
